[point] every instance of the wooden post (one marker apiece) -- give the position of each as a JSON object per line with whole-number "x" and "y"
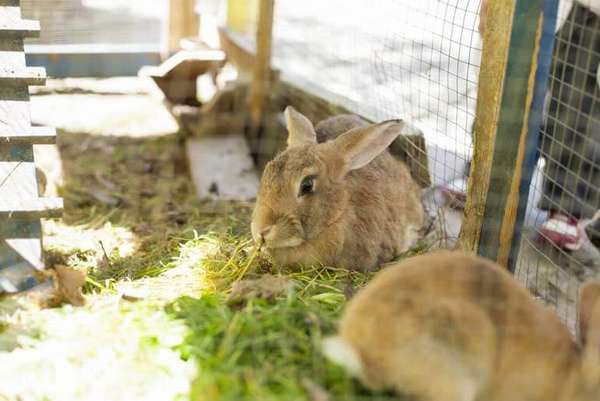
{"x": 183, "y": 22}
{"x": 241, "y": 15}
{"x": 21, "y": 206}
{"x": 507, "y": 85}
{"x": 261, "y": 78}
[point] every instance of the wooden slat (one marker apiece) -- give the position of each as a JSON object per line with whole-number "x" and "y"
{"x": 506, "y": 88}
{"x": 33, "y": 135}
{"x": 19, "y": 196}
{"x": 28, "y": 76}
{"x": 19, "y": 29}
{"x": 183, "y": 22}
{"x": 31, "y": 208}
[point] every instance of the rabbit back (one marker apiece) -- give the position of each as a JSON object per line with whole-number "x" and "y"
{"x": 459, "y": 325}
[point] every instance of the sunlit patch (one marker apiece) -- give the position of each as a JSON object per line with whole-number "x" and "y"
{"x": 107, "y": 350}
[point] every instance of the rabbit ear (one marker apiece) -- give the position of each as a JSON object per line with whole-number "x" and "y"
{"x": 589, "y": 316}
{"x": 361, "y": 145}
{"x": 339, "y": 351}
{"x": 300, "y": 129}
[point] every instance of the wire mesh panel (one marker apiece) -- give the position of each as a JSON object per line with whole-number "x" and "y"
{"x": 559, "y": 253}
{"x": 116, "y": 22}
{"x": 417, "y": 61}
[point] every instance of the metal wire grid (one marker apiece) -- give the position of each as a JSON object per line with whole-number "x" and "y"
{"x": 418, "y": 61}
{"x": 115, "y": 22}
{"x": 570, "y": 138}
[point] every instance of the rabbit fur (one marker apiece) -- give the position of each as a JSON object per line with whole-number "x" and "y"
{"x": 454, "y": 327}
{"x": 362, "y": 207}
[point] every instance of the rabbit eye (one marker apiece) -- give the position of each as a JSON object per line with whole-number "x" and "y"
{"x": 307, "y": 186}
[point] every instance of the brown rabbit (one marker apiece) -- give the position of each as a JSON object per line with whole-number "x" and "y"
{"x": 453, "y": 327}
{"x": 339, "y": 200}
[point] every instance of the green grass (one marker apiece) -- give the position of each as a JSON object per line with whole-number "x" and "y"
{"x": 264, "y": 350}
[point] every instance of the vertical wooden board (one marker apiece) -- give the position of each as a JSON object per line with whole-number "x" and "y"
{"x": 512, "y": 128}
{"x": 496, "y": 40}
{"x": 18, "y": 182}
{"x": 20, "y": 255}
{"x": 183, "y": 22}
{"x": 241, "y": 14}
{"x": 15, "y": 116}
{"x": 9, "y": 14}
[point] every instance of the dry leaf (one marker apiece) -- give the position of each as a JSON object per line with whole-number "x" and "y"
{"x": 69, "y": 283}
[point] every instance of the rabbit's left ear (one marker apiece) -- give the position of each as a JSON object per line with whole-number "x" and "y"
{"x": 359, "y": 146}
{"x": 300, "y": 129}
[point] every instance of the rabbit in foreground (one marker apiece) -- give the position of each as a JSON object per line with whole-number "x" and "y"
{"x": 336, "y": 196}
{"x": 453, "y": 327}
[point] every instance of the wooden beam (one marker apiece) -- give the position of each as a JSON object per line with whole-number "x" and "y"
{"x": 240, "y": 51}
{"x": 32, "y": 135}
{"x": 506, "y": 87}
{"x": 260, "y": 88}
{"x": 531, "y": 156}
{"x": 241, "y": 15}
{"x": 19, "y": 29}
{"x": 494, "y": 59}
{"x": 28, "y": 76}
{"x": 183, "y": 22}
{"x": 20, "y": 205}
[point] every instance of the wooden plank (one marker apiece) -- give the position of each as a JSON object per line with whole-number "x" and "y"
{"x": 496, "y": 40}
{"x": 16, "y": 77}
{"x": 241, "y": 15}
{"x": 508, "y": 73}
{"x": 31, "y": 208}
{"x": 19, "y": 29}
{"x": 33, "y": 135}
{"x": 98, "y": 61}
{"x": 535, "y": 122}
{"x": 20, "y": 256}
{"x": 9, "y": 13}
{"x": 240, "y": 51}
{"x": 177, "y": 76}
{"x": 183, "y": 22}
{"x": 19, "y": 196}
{"x": 509, "y": 220}
{"x": 260, "y": 87}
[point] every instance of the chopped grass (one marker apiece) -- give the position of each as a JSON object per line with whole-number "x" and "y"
{"x": 265, "y": 350}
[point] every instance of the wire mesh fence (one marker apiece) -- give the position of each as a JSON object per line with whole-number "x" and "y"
{"x": 560, "y": 251}
{"x": 87, "y": 22}
{"x": 420, "y": 62}
{"x": 391, "y": 59}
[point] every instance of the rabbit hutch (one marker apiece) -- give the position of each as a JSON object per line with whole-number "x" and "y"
{"x": 149, "y": 145}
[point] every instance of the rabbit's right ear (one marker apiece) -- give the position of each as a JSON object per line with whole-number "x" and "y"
{"x": 300, "y": 129}
{"x": 589, "y": 316}
{"x": 359, "y": 146}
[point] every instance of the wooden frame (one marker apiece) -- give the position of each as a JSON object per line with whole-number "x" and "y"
{"x": 21, "y": 204}
{"x": 511, "y": 82}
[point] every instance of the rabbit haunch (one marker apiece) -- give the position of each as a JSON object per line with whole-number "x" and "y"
{"x": 336, "y": 196}
{"x": 454, "y": 327}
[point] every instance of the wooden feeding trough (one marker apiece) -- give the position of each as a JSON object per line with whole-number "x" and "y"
{"x": 21, "y": 206}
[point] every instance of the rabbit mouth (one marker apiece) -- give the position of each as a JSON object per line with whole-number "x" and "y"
{"x": 292, "y": 242}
